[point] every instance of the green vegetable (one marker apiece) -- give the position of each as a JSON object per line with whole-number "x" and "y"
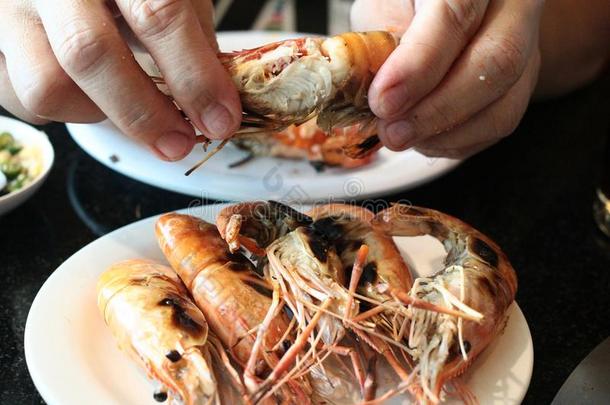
{"x": 11, "y": 169}
{"x": 16, "y": 173}
{"x": 6, "y": 140}
{"x": 15, "y": 185}
{"x": 14, "y": 149}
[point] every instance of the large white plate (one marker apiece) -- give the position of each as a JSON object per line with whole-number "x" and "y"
{"x": 73, "y": 358}
{"x": 266, "y": 178}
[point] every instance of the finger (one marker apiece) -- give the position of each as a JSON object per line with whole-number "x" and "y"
{"x": 89, "y": 48}
{"x": 491, "y": 65}
{"x": 41, "y": 85}
{"x": 204, "y": 11}
{"x": 488, "y": 126}
{"x": 455, "y": 153}
{"x": 172, "y": 33}
{"x": 387, "y": 15}
{"x": 438, "y": 33}
{"x": 9, "y": 100}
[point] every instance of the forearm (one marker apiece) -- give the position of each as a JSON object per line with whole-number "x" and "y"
{"x": 574, "y": 44}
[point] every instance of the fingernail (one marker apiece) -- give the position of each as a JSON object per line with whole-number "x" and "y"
{"x": 173, "y": 145}
{"x": 392, "y": 100}
{"x": 399, "y": 134}
{"x": 217, "y": 120}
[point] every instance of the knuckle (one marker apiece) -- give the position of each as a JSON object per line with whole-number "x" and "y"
{"x": 427, "y": 58}
{"x": 463, "y": 16}
{"x": 153, "y": 18}
{"x": 505, "y": 59}
{"x": 139, "y": 123}
{"x": 193, "y": 93}
{"x": 504, "y": 123}
{"x": 44, "y": 94}
{"x": 83, "y": 48}
{"x": 434, "y": 118}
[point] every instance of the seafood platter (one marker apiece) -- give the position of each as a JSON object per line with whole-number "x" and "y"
{"x": 260, "y": 303}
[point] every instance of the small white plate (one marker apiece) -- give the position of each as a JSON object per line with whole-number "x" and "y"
{"x": 29, "y": 136}
{"x": 261, "y": 178}
{"x": 74, "y": 360}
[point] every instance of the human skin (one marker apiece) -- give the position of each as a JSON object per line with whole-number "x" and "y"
{"x": 465, "y": 70}
{"x": 69, "y": 60}
{"x": 459, "y": 81}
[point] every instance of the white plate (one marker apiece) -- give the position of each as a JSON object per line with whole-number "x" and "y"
{"x": 73, "y": 358}
{"x": 29, "y": 136}
{"x": 262, "y": 178}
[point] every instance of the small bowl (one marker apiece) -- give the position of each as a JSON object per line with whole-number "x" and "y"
{"x": 29, "y": 136}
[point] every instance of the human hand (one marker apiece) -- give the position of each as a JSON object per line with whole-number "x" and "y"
{"x": 68, "y": 60}
{"x": 462, "y": 76}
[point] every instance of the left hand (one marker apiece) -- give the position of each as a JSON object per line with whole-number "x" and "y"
{"x": 462, "y": 76}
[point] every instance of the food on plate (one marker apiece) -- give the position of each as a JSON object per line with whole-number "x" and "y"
{"x": 296, "y": 80}
{"x": 19, "y": 164}
{"x": 477, "y": 280}
{"x": 151, "y": 316}
{"x": 233, "y": 297}
{"x": 305, "y": 142}
{"x": 448, "y": 319}
{"x": 330, "y": 308}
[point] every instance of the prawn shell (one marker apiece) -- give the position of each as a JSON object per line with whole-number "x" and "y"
{"x": 490, "y": 280}
{"x": 152, "y": 318}
{"x": 365, "y": 53}
{"x": 217, "y": 279}
{"x": 384, "y": 264}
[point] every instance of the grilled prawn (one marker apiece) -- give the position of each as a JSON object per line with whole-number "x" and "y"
{"x": 292, "y": 81}
{"x": 349, "y": 227}
{"x": 326, "y": 241}
{"x": 307, "y": 142}
{"x": 149, "y": 313}
{"x": 477, "y": 280}
{"x": 447, "y": 320}
{"x": 236, "y": 302}
{"x": 305, "y": 267}
{"x": 301, "y": 257}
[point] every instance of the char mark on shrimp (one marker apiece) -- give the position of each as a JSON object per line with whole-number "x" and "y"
{"x": 317, "y": 243}
{"x": 290, "y": 213}
{"x": 484, "y": 251}
{"x": 329, "y": 227}
{"x": 180, "y": 318}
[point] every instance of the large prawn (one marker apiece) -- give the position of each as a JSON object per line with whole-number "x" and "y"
{"x": 238, "y": 306}
{"x": 302, "y": 257}
{"x": 148, "y": 310}
{"x": 450, "y": 317}
{"x": 477, "y": 280}
{"x": 292, "y": 81}
{"x": 304, "y": 265}
{"x": 306, "y": 141}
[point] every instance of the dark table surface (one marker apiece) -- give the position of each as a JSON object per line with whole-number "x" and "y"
{"x": 532, "y": 193}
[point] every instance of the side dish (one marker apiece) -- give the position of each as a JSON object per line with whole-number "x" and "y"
{"x": 19, "y": 164}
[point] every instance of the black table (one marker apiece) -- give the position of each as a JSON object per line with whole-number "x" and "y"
{"x": 532, "y": 193}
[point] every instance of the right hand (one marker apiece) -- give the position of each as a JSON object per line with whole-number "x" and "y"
{"x": 67, "y": 60}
